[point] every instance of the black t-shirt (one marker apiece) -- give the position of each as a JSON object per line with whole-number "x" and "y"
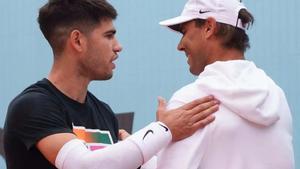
{"x": 42, "y": 110}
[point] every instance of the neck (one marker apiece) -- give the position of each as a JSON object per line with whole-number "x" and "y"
{"x": 66, "y": 78}
{"x": 222, "y": 54}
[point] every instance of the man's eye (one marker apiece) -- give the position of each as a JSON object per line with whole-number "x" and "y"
{"x": 110, "y": 36}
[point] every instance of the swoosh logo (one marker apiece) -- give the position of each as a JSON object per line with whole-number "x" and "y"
{"x": 164, "y": 127}
{"x": 149, "y": 131}
{"x": 202, "y": 12}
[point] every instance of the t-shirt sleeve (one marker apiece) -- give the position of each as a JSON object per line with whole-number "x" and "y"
{"x": 34, "y": 116}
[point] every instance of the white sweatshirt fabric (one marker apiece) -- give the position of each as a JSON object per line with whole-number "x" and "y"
{"x": 128, "y": 154}
{"x": 252, "y": 129}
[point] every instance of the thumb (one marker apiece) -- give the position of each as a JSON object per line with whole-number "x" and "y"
{"x": 161, "y": 106}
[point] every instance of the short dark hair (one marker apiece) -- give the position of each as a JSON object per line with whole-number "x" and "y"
{"x": 58, "y": 18}
{"x": 233, "y": 37}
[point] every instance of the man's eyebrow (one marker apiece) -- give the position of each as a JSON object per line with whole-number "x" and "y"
{"x": 113, "y": 31}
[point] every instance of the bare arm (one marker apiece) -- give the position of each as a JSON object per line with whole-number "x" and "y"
{"x": 50, "y": 145}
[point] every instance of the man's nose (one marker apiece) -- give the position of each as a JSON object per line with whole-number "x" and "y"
{"x": 180, "y": 46}
{"x": 118, "y": 47}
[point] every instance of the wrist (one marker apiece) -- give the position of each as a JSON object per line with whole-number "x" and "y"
{"x": 151, "y": 139}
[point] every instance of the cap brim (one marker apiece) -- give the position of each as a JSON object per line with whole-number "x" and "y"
{"x": 174, "y": 23}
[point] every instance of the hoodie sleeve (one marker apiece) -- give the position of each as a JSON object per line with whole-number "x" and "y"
{"x": 245, "y": 90}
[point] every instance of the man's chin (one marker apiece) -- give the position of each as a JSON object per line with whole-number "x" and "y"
{"x": 106, "y": 77}
{"x": 195, "y": 72}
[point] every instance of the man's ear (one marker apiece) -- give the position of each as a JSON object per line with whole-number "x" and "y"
{"x": 210, "y": 27}
{"x": 77, "y": 40}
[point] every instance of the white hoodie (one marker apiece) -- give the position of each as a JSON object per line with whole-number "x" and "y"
{"x": 253, "y": 127}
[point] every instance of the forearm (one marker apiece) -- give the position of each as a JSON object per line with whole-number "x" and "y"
{"x": 128, "y": 154}
{"x": 75, "y": 155}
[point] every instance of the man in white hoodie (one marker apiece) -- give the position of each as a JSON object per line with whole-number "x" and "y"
{"x": 253, "y": 128}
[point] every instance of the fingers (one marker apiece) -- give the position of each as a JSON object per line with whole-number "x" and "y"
{"x": 205, "y": 114}
{"x": 189, "y": 129}
{"x": 204, "y": 106}
{"x": 196, "y": 102}
{"x": 204, "y": 122}
{"x": 188, "y": 118}
{"x": 123, "y": 134}
{"x": 204, "y": 110}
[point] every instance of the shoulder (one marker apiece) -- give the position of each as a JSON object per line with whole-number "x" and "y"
{"x": 186, "y": 94}
{"x": 98, "y": 102}
{"x": 35, "y": 99}
{"x": 33, "y": 95}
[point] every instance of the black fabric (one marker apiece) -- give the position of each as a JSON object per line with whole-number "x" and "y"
{"x": 42, "y": 110}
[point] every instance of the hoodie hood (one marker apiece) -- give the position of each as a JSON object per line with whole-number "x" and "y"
{"x": 244, "y": 89}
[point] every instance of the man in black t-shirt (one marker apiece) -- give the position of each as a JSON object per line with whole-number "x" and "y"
{"x": 42, "y": 110}
{"x": 58, "y": 123}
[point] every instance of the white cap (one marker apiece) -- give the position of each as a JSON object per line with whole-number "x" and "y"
{"x": 223, "y": 11}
